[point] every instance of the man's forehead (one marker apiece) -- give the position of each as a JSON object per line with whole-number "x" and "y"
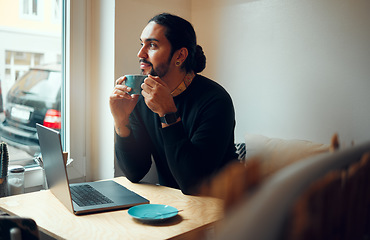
{"x": 153, "y": 32}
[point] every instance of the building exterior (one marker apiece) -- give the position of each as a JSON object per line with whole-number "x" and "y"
{"x": 30, "y": 34}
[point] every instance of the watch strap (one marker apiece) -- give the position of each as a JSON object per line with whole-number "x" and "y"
{"x": 169, "y": 118}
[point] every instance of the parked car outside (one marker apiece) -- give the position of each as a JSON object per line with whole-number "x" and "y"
{"x": 34, "y": 98}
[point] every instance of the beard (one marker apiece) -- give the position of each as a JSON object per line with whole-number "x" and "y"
{"x": 158, "y": 71}
{"x": 153, "y": 72}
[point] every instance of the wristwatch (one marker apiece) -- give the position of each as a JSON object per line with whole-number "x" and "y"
{"x": 169, "y": 118}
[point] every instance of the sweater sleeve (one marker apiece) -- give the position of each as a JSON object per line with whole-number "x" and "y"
{"x": 133, "y": 153}
{"x": 193, "y": 158}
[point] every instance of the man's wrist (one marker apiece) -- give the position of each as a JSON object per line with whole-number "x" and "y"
{"x": 123, "y": 129}
{"x": 169, "y": 118}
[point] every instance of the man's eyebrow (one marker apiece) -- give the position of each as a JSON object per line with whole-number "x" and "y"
{"x": 150, "y": 40}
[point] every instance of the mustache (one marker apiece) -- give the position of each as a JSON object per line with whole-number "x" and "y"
{"x": 142, "y": 60}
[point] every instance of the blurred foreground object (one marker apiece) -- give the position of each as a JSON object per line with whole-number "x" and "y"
{"x": 4, "y": 158}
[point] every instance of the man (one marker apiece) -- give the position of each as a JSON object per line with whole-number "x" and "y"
{"x": 184, "y": 120}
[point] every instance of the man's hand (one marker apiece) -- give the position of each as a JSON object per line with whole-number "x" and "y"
{"x": 158, "y": 96}
{"x": 121, "y": 105}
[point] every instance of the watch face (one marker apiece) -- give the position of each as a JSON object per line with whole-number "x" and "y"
{"x": 169, "y": 118}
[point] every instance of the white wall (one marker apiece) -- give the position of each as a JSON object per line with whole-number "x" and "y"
{"x": 295, "y": 69}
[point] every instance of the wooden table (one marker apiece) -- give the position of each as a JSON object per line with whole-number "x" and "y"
{"x": 199, "y": 213}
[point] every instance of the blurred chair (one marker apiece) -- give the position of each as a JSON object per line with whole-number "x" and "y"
{"x": 235, "y": 182}
{"x": 335, "y": 206}
{"x": 18, "y": 228}
{"x": 258, "y": 159}
{"x": 319, "y": 213}
{"x": 322, "y": 197}
{"x": 357, "y": 199}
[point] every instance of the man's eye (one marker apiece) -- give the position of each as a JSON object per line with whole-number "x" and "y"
{"x": 152, "y": 45}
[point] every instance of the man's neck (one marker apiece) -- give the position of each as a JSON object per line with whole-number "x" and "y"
{"x": 174, "y": 79}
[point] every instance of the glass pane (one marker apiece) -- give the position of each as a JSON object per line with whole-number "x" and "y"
{"x": 34, "y": 7}
{"x": 31, "y": 77}
{"x": 22, "y": 58}
{"x": 8, "y": 56}
{"x": 25, "y": 6}
{"x": 57, "y": 7}
{"x": 38, "y": 58}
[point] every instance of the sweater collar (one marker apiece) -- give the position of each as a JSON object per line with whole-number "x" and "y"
{"x": 183, "y": 85}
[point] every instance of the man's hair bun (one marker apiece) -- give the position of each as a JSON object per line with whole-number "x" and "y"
{"x": 199, "y": 60}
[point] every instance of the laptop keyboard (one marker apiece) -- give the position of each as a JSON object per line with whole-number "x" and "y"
{"x": 85, "y": 195}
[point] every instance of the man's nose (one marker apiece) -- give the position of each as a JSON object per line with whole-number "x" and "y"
{"x": 142, "y": 53}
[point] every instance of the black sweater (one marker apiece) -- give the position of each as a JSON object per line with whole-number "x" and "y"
{"x": 189, "y": 151}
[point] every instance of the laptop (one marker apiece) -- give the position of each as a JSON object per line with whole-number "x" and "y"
{"x": 80, "y": 198}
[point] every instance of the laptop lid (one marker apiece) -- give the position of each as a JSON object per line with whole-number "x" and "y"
{"x": 57, "y": 178}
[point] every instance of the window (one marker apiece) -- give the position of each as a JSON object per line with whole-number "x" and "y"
{"x": 71, "y": 54}
{"x": 30, "y": 75}
{"x": 31, "y": 9}
{"x": 19, "y": 62}
{"x": 57, "y": 10}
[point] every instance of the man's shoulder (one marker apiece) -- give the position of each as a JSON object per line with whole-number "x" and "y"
{"x": 203, "y": 83}
{"x": 204, "y": 80}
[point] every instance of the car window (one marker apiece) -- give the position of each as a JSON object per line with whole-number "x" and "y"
{"x": 41, "y": 84}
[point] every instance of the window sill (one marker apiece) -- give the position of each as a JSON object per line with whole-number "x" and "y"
{"x": 34, "y": 178}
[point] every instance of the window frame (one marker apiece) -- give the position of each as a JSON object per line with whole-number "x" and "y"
{"x": 74, "y": 66}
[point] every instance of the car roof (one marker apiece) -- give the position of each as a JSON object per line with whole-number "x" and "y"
{"x": 48, "y": 67}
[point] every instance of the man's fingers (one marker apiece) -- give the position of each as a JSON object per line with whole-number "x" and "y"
{"x": 120, "y": 80}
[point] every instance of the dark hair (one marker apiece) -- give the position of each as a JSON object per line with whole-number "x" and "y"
{"x": 180, "y": 33}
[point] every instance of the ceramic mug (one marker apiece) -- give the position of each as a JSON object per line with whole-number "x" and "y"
{"x": 134, "y": 81}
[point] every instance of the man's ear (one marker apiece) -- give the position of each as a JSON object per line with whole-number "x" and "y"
{"x": 181, "y": 55}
